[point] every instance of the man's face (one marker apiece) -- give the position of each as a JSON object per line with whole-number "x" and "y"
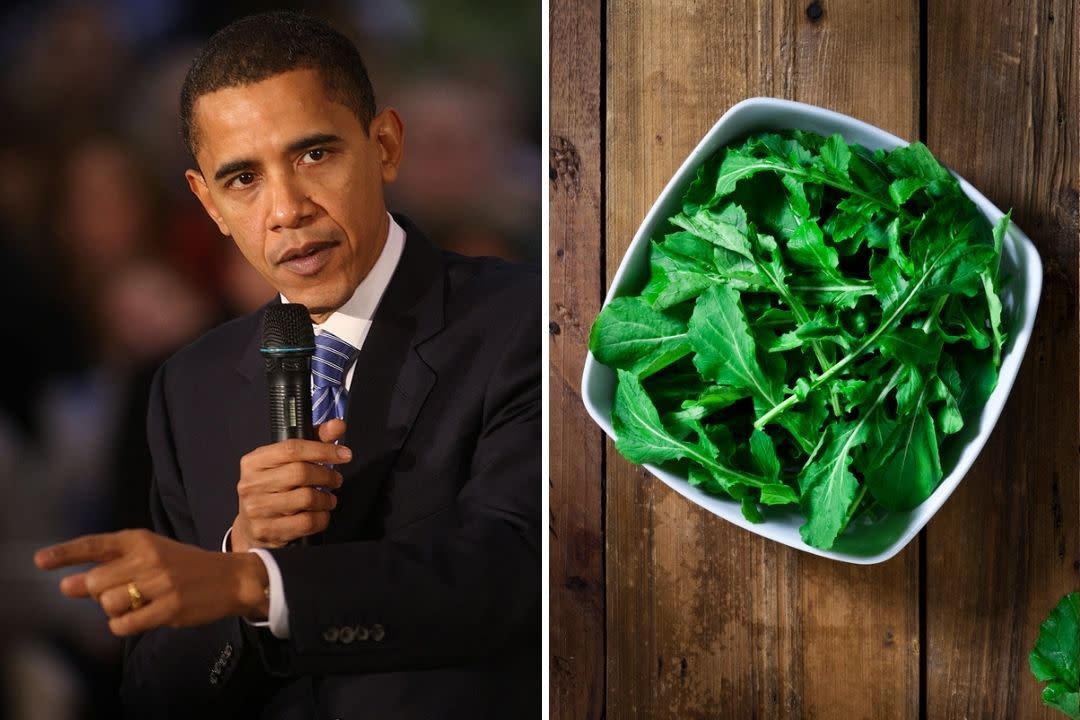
{"x": 293, "y": 178}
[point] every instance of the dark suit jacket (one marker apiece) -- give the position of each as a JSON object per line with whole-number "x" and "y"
{"x": 422, "y": 598}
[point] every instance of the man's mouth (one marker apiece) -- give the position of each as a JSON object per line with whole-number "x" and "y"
{"x": 307, "y": 259}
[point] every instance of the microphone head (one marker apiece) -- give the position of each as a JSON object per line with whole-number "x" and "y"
{"x": 286, "y": 329}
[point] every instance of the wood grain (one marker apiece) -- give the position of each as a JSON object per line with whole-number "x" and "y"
{"x": 705, "y": 619}
{"x": 1003, "y": 111}
{"x": 576, "y": 453}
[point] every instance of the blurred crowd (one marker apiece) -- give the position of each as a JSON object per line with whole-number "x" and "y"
{"x": 111, "y": 264}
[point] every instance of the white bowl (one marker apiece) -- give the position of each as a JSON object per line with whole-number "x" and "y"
{"x": 1021, "y": 272}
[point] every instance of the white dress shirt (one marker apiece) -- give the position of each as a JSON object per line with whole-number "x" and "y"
{"x": 351, "y": 322}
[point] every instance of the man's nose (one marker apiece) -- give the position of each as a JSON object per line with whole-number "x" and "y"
{"x": 290, "y": 205}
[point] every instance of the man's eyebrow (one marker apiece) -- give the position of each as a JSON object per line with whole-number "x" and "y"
{"x": 304, "y": 143}
{"x": 232, "y": 167}
{"x": 311, "y": 141}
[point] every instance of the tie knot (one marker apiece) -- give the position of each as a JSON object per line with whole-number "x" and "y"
{"x": 332, "y": 358}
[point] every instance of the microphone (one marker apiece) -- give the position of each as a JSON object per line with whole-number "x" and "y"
{"x": 288, "y": 342}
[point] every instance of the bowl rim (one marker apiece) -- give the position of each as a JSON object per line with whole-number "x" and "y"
{"x": 1029, "y": 267}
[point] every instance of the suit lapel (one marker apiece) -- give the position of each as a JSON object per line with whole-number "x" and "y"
{"x": 390, "y": 383}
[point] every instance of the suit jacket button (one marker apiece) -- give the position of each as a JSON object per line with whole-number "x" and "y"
{"x": 377, "y": 632}
{"x": 347, "y": 634}
{"x": 361, "y": 632}
{"x": 330, "y": 635}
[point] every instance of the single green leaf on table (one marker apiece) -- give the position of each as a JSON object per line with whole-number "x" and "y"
{"x": 630, "y": 334}
{"x": 1055, "y": 658}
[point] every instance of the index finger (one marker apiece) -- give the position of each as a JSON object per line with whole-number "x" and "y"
{"x": 81, "y": 550}
{"x": 331, "y": 430}
{"x": 296, "y": 450}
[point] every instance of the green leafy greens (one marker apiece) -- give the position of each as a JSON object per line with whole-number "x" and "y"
{"x": 1056, "y": 657}
{"x": 816, "y": 320}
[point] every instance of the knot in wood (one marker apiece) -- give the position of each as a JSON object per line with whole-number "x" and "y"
{"x": 565, "y": 165}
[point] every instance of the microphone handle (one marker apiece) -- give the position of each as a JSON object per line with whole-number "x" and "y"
{"x": 289, "y": 379}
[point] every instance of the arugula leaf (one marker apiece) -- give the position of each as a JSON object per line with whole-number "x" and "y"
{"x": 726, "y": 229}
{"x": 642, "y": 438}
{"x": 675, "y": 278}
{"x": 836, "y": 156}
{"x": 724, "y": 349}
{"x": 1055, "y": 658}
{"x": 910, "y": 466}
{"x": 630, "y": 334}
{"x": 828, "y": 486}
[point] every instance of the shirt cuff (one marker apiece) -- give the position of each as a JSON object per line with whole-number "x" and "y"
{"x": 278, "y": 621}
{"x": 279, "y": 609}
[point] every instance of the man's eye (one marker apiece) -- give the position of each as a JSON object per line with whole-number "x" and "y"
{"x": 315, "y": 155}
{"x": 243, "y": 179}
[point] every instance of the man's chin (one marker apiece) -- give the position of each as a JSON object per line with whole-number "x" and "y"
{"x": 318, "y": 306}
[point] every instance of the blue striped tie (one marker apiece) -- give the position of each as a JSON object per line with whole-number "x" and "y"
{"x": 328, "y": 367}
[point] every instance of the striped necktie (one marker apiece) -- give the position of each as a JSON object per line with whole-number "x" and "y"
{"x": 328, "y": 367}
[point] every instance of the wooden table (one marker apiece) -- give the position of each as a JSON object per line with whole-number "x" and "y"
{"x": 660, "y": 609}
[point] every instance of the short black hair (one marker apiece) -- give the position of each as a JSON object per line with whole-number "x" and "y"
{"x": 260, "y": 46}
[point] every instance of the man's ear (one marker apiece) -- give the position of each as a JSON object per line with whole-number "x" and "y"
{"x": 388, "y": 132}
{"x": 197, "y": 183}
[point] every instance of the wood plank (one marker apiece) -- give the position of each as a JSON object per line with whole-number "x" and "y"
{"x": 705, "y": 619}
{"x": 1003, "y": 111}
{"x": 576, "y": 452}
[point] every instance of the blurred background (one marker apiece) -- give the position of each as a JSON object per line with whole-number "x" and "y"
{"x": 111, "y": 264}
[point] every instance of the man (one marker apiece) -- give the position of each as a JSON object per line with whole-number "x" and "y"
{"x": 418, "y": 593}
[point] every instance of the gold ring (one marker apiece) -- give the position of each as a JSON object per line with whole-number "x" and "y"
{"x": 136, "y": 596}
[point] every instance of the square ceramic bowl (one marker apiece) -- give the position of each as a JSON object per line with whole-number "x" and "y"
{"x": 1021, "y": 284}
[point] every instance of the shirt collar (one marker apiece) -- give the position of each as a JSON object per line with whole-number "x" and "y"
{"x": 351, "y": 321}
